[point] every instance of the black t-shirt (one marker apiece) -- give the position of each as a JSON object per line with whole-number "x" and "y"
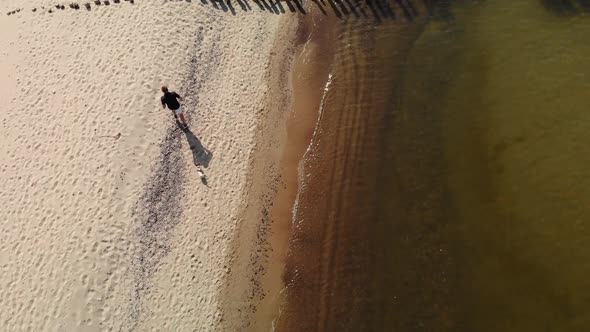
{"x": 169, "y": 99}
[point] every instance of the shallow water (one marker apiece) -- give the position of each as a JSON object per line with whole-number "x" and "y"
{"x": 445, "y": 187}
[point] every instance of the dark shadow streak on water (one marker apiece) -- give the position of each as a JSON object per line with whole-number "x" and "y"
{"x": 567, "y": 7}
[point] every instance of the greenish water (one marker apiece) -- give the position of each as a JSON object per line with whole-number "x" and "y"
{"x": 446, "y": 187}
{"x": 509, "y": 82}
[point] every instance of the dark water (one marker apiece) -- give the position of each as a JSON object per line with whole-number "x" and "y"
{"x": 446, "y": 187}
{"x": 512, "y": 107}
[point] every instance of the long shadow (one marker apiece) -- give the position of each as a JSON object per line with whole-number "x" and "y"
{"x": 244, "y": 5}
{"x": 201, "y": 156}
{"x": 407, "y": 9}
{"x": 441, "y": 10}
{"x": 298, "y": 5}
{"x": 335, "y": 9}
{"x": 380, "y": 9}
{"x": 231, "y": 8}
{"x": 320, "y": 6}
{"x": 567, "y": 7}
{"x": 280, "y": 7}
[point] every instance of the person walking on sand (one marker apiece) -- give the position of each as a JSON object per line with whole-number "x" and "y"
{"x": 171, "y": 99}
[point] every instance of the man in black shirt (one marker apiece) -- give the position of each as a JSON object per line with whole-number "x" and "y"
{"x": 170, "y": 99}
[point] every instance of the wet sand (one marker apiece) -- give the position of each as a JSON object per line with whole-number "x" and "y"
{"x": 346, "y": 244}
{"x": 308, "y": 72}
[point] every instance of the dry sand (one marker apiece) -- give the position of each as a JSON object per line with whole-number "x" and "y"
{"x": 105, "y": 222}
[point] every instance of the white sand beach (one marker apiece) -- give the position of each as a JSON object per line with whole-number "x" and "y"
{"x": 106, "y": 225}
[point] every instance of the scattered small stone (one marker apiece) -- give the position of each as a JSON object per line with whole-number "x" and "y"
{"x": 116, "y": 1}
{"x": 97, "y": 2}
{"x": 106, "y": 2}
{"x": 50, "y": 11}
{"x": 87, "y": 5}
{"x": 131, "y": 1}
{"x": 34, "y": 10}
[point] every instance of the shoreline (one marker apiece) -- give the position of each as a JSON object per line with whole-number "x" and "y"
{"x": 337, "y": 275}
{"x": 297, "y": 73}
{"x": 305, "y": 80}
{"x": 308, "y": 64}
{"x": 308, "y": 77}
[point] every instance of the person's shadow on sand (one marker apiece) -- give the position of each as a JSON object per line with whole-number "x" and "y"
{"x": 201, "y": 156}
